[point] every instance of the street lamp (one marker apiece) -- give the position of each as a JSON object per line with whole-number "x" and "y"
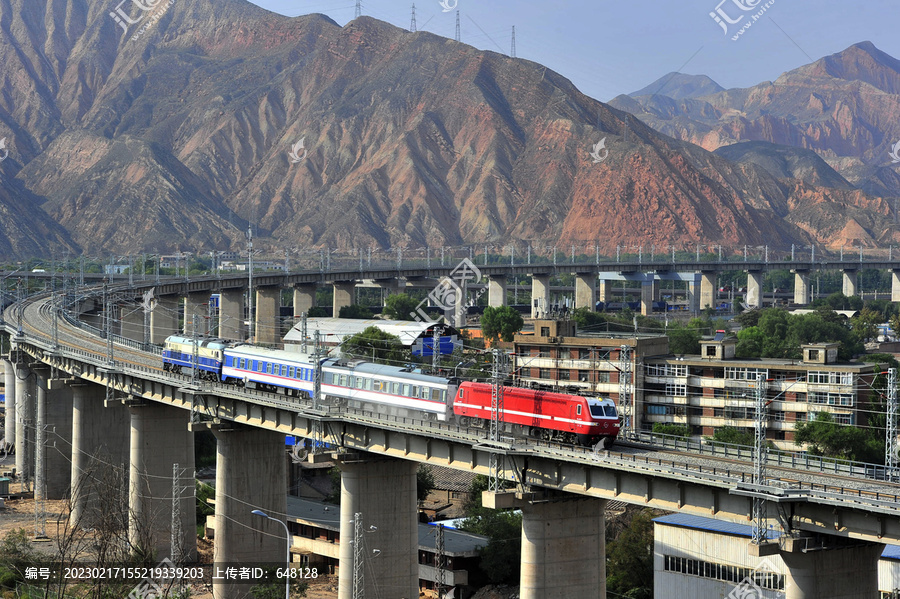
{"x": 287, "y": 577}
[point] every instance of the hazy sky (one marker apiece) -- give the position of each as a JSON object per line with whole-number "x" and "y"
{"x": 611, "y": 47}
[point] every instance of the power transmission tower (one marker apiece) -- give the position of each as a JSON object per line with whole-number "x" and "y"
{"x": 359, "y": 589}
{"x": 890, "y": 429}
{"x": 436, "y": 350}
{"x": 177, "y": 534}
{"x": 760, "y": 516}
{"x": 458, "y": 37}
{"x": 499, "y": 376}
{"x": 358, "y": 9}
{"x": 512, "y": 49}
{"x": 412, "y": 27}
{"x": 625, "y": 387}
{"x": 439, "y": 562}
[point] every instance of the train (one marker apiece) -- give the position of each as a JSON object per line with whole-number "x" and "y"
{"x": 397, "y": 391}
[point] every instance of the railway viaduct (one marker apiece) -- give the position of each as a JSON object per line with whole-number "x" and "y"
{"x": 87, "y": 399}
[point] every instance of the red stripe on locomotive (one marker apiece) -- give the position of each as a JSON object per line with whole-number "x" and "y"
{"x": 540, "y": 409}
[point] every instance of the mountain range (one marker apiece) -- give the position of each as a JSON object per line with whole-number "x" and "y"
{"x": 173, "y": 128}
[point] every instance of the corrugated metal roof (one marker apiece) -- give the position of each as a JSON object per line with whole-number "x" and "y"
{"x": 740, "y": 530}
{"x": 335, "y": 330}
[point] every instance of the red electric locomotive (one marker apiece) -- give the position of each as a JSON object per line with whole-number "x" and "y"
{"x": 552, "y": 416}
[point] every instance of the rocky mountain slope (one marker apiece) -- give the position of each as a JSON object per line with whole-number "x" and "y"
{"x": 843, "y": 107}
{"x": 172, "y": 128}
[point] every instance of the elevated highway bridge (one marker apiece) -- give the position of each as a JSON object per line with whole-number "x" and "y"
{"x": 106, "y": 394}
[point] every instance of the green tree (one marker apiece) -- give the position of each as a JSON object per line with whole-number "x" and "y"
{"x": 629, "y": 559}
{"x": 399, "y": 306}
{"x": 677, "y": 430}
{"x": 424, "y": 481}
{"x": 317, "y": 312}
{"x": 684, "y": 340}
{"x": 355, "y": 311}
{"x": 374, "y": 344}
{"x": 500, "y": 558}
{"x": 734, "y": 436}
{"x": 501, "y": 323}
{"x": 824, "y": 436}
{"x": 585, "y": 318}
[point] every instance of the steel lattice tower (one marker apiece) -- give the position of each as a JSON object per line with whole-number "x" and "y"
{"x": 760, "y": 516}
{"x": 625, "y": 387}
{"x": 358, "y": 9}
{"x": 512, "y": 48}
{"x": 412, "y": 27}
{"x": 439, "y": 561}
{"x": 890, "y": 429}
{"x": 499, "y": 375}
{"x": 458, "y": 38}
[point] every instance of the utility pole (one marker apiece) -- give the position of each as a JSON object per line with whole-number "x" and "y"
{"x": 250, "y": 268}
{"x": 359, "y": 589}
{"x": 439, "y": 561}
{"x": 498, "y": 377}
{"x": 412, "y": 23}
{"x": 177, "y": 537}
{"x": 107, "y": 325}
{"x": 40, "y": 480}
{"x": 435, "y": 350}
{"x": 760, "y": 516}
{"x": 890, "y": 429}
{"x": 195, "y": 352}
{"x": 625, "y": 388}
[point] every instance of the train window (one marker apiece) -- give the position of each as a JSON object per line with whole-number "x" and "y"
{"x": 414, "y": 392}
{"x": 405, "y": 392}
{"x": 578, "y": 410}
{"x": 436, "y": 395}
{"x": 378, "y": 386}
{"x": 290, "y": 372}
{"x": 269, "y": 368}
{"x": 611, "y": 411}
{"x": 344, "y": 382}
{"x": 395, "y": 388}
{"x": 424, "y": 392}
{"x": 461, "y": 393}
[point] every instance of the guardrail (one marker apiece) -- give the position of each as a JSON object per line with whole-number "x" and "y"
{"x": 774, "y": 457}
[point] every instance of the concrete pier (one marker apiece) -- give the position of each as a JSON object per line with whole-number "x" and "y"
{"x": 835, "y": 569}
{"x": 100, "y": 440}
{"x": 850, "y": 280}
{"x": 231, "y": 314}
{"x": 540, "y": 295}
{"x": 54, "y": 416}
{"x": 251, "y": 474}
{"x": 754, "y": 289}
{"x": 383, "y": 492}
{"x": 604, "y": 291}
{"x": 801, "y": 287}
{"x": 586, "y": 290}
{"x": 25, "y": 414}
{"x": 9, "y": 422}
{"x": 707, "y": 290}
{"x": 497, "y": 291}
{"x": 164, "y": 319}
{"x": 563, "y": 550}
{"x": 268, "y": 306}
{"x": 159, "y": 439}
{"x": 196, "y": 304}
{"x": 647, "y": 297}
{"x": 343, "y": 296}
{"x": 895, "y": 285}
{"x": 304, "y": 298}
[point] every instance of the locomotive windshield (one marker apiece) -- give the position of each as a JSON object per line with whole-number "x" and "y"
{"x": 598, "y": 410}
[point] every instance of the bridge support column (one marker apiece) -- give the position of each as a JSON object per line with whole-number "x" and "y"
{"x": 647, "y": 297}
{"x": 604, "y": 291}
{"x": 707, "y": 290}
{"x": 693, "y": 293}
{"x": 563, "y": 550}
{"x": 164, "y": 319}
{"x": 848, "y": 572}
{"x": 343, "y": 296}
{"x": 754, "y": 289}
{"x": 497, "y": 291}
{"x": 132, "y": 323}
{"x": 895, "y": 285}
{"x": 251, "y": 473}
{"x": 850, "y": 283}
{"x": 25, "y": 413}
{"x": 231, "y": 314}
{"x": 99, "y": 454}
{"x": 383, "y": 491}
{"x": 540, "y": 295}
{"x": 196, "y": 304}
{"x": 159, "y": 439}
{"x": 268, "y": 306}
{"x": 304, "y": 298}
{"x": 586, "y": 291}
{"x": 9, "y": 388}
{"x": 54, "y": 414}
{"x": 801, "y": 287}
